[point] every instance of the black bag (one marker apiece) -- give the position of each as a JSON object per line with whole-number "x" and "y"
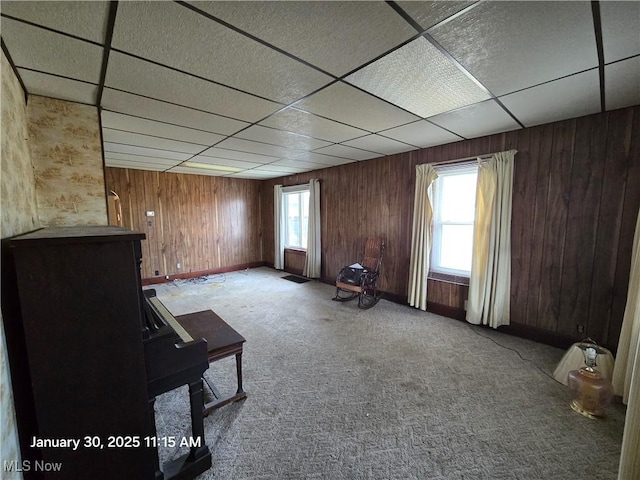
{"x": 352, "y": 275}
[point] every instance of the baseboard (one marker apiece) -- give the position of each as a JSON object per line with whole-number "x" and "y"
{"x": 213, "y": 271}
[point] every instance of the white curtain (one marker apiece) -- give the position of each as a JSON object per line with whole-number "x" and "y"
{"x": 312, "y": 262}
{"x": 490, "y": 280}
{"x": 421, "y": 236}
{"x": 278, "y": 228}
{"x": 626, "y": 372}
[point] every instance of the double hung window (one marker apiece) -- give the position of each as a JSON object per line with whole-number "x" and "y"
{"x": 295, "y": 209}
{"x": 453, "y": 199}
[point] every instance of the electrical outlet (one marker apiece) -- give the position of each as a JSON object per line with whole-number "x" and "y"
{"x": 580, "y": 328}
{"x": 157, "y": 272}
{"x": 178, "y": 265}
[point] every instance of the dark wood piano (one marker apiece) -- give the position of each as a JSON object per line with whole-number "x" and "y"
{"x": 88, "y": 356}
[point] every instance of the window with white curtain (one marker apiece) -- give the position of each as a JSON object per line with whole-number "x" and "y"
{"x": 295, "y": 210}
{"x": 453, "y": 199}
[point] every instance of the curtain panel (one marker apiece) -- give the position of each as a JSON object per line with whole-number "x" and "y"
{"x": 626, "y": 372}
{"x": 312, "y": 263}
{"x": 490, "y": 280}
{"x": 278, "y": 228}
{"x": 421, "y": 236}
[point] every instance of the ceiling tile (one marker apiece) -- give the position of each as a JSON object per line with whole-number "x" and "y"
{"x": 148, "y": 152}
{"x": 242, "y": 145}
{"x": 139, "y": 140}
{"x": 276, "y": 169}
{"x": 421, "y": 134}
{"x": 282, "y": 138}
{"x": 127, "y": 157}
{"x": 305, "y": 123}
{"x": 130, "y": 123}
{"x": 347, "y": 152}
{"x": 419, "y": 78}
{"x": 622, "y": 81}
{"x": 198, "y": 171}
{"x": 620, "y": 26}
{"x": 57, "y": 87}
{"x": 382, "y": 145}
{"x": 519, "y": 44}
{"x": 349, "y": 105}
{"x": 302, "y": 165}
{"x": 360, "y": 31}
{"x": 569, "y": 97}
{"x": 427, "y": 14}
{"x": 225, "y": 162}
{"x": 217, "y": 152}
{"x": 322, "y": 159}
{"x": 39, "y": 49}
{"x": 134, "y": 165}
{"x": 83, "y": 19}
{"x": 128, "y": 103}
{"x": 484, "y": 118}
{"x": 137, "y": 76}
{"x": 173, "y": 35}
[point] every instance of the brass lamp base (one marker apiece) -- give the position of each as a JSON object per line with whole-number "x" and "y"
{"x": 594, "y": 414}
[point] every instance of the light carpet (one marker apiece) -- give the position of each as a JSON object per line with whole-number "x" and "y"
{"x": 335, "y": 392}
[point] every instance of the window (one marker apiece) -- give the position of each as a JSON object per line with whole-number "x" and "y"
{"x": 295, "y": 209}
{"x": 454, "y": 201}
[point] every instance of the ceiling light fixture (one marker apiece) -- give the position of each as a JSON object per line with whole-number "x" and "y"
{"x": 209, "y": 166}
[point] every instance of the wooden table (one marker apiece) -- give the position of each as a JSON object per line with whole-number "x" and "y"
{"x": 222, "y": 341}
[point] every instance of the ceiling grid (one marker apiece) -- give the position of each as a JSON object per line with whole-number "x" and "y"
{"x": 265, "y": 89}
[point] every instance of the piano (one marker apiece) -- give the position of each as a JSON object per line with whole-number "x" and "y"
{"x": 89, "y": 353}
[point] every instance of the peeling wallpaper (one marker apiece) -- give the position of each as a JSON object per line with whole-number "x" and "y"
{"x": 65, "y": 147}
{"x": 18, "y": 214}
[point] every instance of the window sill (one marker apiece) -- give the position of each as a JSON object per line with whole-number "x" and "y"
{"x": 295, "y": 251}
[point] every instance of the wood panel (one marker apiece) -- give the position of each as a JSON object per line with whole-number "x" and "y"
{"x": 576, "y": 197}
{"x": 204, "y": 223}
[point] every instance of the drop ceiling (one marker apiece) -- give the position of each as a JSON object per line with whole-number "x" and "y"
{"x": 265, "y": 89}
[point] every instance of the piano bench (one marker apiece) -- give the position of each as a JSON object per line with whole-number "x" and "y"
{"x": 222, "y": 341}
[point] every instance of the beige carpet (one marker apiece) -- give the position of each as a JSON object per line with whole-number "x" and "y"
{"x": 386, "y": 393}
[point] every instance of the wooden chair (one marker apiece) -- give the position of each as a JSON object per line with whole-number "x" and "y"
{"x": 360, "y": 280}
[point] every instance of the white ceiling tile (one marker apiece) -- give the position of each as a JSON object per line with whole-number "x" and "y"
{"x": 127, "y": 157}
{"x": 322, "y": 159}
{"x": 134, "y": 165}
{"x": 148, "y": 152}
{"x": 56, "y": 87}
{"x": 427, "y": 14}
{"x": 129, "y": 103}
{"x": 382, "y": 145}
{"x": 419, "y": 78}
{"x": 349, "y": 105}
{"x": 83, "y": 19}
{"x": 130, "y": 123}
{"x": 173, "y": 35}
{"x": 39, "y": 49}
{"x": 140, "y": 140}
{"x": 344, "y": 151}
{"x": 225, "y": 162}
{"x": 622, "y": 84}
{"x": 305, "y": 123}
{"x": 276, "y": 169}
{"x": 316, "y": 31}
{"x": 303, "y": 165}
{"x": 519, "y": 44}
{"x": 137, "y": 76}
{"x": 249, "y": 146}
{"x": 620, "y": 29}
{"x": 421, "y": 134}
{"x": 484, "y": 118}
{"x": 218, "y": 152}
{"x": 282, "y": 138}
{"x": 569, "y": 97}
{"x": 198, "y": 171}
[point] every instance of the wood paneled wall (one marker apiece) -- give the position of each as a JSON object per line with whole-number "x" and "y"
{"x": 576, "y": 198}
{"x": 205, "y": 223}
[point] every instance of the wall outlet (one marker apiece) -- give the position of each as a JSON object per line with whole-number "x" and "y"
{"x": 178, "y": 265}
{"x": 157, "y": 272}
{"x": 580, "y": 328}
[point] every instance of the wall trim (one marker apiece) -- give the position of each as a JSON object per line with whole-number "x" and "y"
{"x": 201, "y": 273}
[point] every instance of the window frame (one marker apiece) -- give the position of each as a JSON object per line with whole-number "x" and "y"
{"x": 286, "y": 191}
{"x": 436, "y": 270}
